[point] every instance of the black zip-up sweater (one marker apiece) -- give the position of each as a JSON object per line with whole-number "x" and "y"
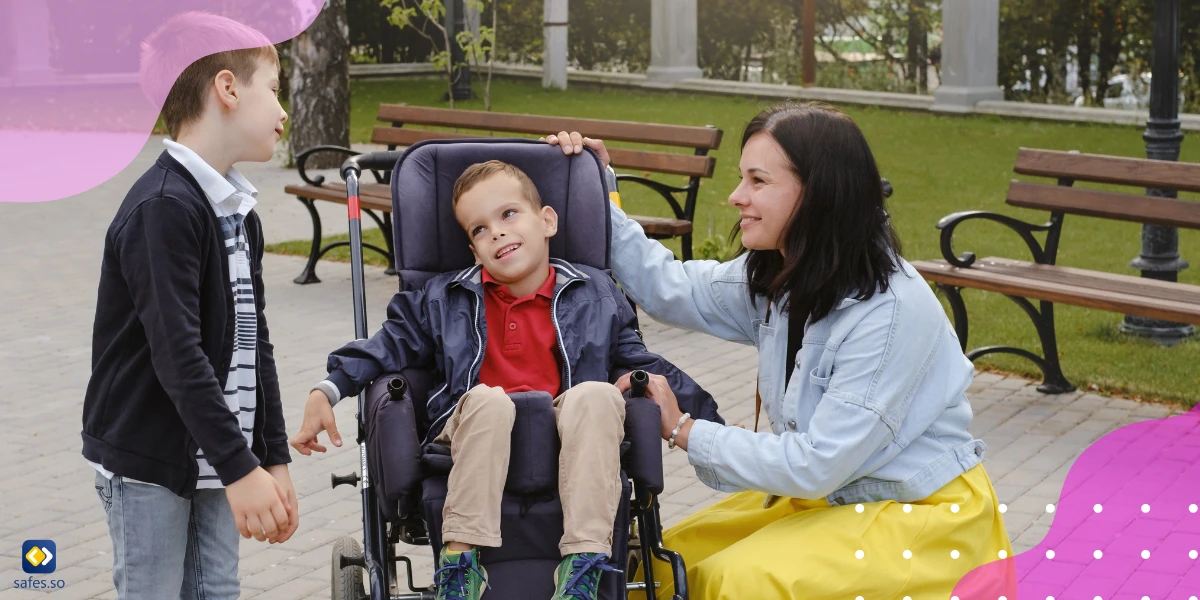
{"x": 163, "y": 341}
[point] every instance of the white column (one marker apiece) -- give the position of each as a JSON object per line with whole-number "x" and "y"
{"x": 554, "y": 53}
{"x": 672, "y": 42}
{"x": 970, "y": 41}
{"x": 31, "y": 37}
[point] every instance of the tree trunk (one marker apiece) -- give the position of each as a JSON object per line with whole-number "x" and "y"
{"x": 1084, "y": 45}
{"x": 1109, "y": 50}
{"x": 917, "y": 72}
{"x": 320, "y": 87}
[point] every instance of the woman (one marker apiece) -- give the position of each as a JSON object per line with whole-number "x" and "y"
{"x": 868, "y": 483}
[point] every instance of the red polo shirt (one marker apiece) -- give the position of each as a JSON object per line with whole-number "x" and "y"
{"x": 522, "y": 348}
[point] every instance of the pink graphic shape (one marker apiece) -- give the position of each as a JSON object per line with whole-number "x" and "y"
{"x": 74, "y": 109}
{"x": 1144, "y": 553}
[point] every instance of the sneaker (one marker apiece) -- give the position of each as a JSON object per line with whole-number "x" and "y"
{"x": 459, "y": 577}
{"x": 578, "y": 576}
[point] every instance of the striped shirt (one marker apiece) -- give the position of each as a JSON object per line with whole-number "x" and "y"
{"x": 232, "y": 198}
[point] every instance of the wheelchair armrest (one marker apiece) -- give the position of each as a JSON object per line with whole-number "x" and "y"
{"x": 643, "y": 427}
{"x": 393, "y": 446}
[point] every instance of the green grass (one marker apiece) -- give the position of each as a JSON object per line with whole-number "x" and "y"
{"x": 938, "y": 165}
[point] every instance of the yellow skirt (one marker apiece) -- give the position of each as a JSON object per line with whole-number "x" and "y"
{"x": 736, "y": 549}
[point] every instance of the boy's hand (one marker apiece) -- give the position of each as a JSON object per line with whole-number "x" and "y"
{"x": 284, "y": 479}
{"x": 573, "y": 143}
{"x": 257, "y": 502}
{"x": 318, "y": 417}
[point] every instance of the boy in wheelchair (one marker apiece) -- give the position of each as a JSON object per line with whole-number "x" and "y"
{"x": 546, "y": 325}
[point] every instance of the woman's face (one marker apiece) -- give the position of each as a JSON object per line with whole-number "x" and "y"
{"x": 767, "y": 195}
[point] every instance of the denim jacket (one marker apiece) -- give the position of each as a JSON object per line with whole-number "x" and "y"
{"x": 876, "y": 408}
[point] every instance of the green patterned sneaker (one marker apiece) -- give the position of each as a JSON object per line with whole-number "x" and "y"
{"x": 578, "y": 576}
{"x": 459, "y": 576}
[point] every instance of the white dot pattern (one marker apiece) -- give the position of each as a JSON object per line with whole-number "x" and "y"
{"x": 1050, "y": 554}
{"x": 1003, "y": 508}
{"x": 1002, "y": 554}
{"x": 859, "y": 554}
{"x": 1049, "y": 508}
{"x": 1145, "y": 508}
{"x": 954, "y": 554}
{"x": 1097, "y": 508}
{"x": 1098, "y": 554}
{"x": 1192, "y": 555}
{"x": 907, "y": 508}
{"x": 907, "y": 554}
{"x": 1145, "y": 554}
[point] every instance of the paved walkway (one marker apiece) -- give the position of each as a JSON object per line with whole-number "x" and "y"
{"x": 51, "y": 262}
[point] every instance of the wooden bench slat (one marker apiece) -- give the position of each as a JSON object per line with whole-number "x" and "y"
{"x": 375, "y": 196}
{"x": 657, "y": 227}
{"x": 1096, "y": 168}
{"x": 626, "y": 131}
{"x": 1148, "y": 304}
{"x": 659, "y": 162}
{"x": 1097, "y": 280}
{"x": 1108, "y": 205}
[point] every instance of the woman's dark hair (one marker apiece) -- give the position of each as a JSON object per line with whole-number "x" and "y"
{"x": 839, "y": 242}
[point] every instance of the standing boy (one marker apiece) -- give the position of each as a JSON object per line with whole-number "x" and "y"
{"x": 182, "y": 419}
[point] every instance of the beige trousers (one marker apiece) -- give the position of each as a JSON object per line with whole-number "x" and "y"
{"x": 591, "y": 425}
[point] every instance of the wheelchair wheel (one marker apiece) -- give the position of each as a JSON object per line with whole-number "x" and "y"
{"x": 346, "y": 583}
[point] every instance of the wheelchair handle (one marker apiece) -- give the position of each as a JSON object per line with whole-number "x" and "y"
{"x": 379, "y": 161}
{"x": 638, "y": 380}
{"x": 396, "y": 388}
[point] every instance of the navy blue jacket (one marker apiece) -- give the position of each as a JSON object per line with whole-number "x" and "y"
{"x": 163, "y": 340}
{"x": 442, "y": 327}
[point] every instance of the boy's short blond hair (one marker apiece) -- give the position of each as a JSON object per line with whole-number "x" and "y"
{"x": 197, "y": 46}
{"x": 481, "y": 171}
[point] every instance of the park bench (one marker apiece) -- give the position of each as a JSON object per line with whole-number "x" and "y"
{"x": 375, "y": 198}
{"x": 1041, "y": 279}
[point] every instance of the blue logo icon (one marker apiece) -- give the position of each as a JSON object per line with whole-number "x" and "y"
{"x": 38, "y": 556}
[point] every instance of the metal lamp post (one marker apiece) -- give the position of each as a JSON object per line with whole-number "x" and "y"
{"x": 1160, "y": 245}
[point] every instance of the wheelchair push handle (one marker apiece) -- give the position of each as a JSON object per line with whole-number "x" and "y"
{"x": 638, "y": 380}
{"x": 378, "y": 161}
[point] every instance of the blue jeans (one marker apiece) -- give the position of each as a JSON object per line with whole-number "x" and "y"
{"x": 165, "y": 546}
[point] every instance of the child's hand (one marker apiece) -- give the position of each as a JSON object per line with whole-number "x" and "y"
{"x": 573, "y": 143}
{"x": 257, "y": 502}
{"x": 318, "y": 417}
{"x": 284, "y": 478}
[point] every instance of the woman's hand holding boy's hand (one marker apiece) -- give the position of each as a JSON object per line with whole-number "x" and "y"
{"x": 660, "y": 392}
{"x": 259, "y": 506}
{"x": 318, "y": 417}
{"x": 573, "y": 143}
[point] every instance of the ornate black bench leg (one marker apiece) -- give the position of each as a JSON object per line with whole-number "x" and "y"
{"x": 959, "y": 308}
{"x": 309, "y": 274}
{"x": 1053, "y": 380}
{"x": 687, "y": 246}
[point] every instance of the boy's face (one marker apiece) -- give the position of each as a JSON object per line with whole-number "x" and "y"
{"x": 508, "y": 235}
{"x": 258, "y": 117}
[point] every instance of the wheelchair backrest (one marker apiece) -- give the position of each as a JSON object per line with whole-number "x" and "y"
{"x": 428, "y": 239}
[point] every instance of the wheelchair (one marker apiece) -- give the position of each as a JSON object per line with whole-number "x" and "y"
{"x": 403, "y": 477}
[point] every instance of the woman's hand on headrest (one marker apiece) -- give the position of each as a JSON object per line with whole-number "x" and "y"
{"x": 573, "y": 143}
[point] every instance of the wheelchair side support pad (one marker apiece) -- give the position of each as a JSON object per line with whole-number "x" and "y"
{"x": 643, "y": 427}
{"x": 391, "y": 426}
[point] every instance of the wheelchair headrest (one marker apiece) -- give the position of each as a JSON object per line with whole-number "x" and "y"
{"x": 430, "y": 241}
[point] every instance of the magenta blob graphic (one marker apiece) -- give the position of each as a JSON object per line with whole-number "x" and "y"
{"x": 1127, "y": 525}
{"x": 76, "y": 105}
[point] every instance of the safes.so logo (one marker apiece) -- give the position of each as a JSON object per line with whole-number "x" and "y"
{"x": 38, "y": 556}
